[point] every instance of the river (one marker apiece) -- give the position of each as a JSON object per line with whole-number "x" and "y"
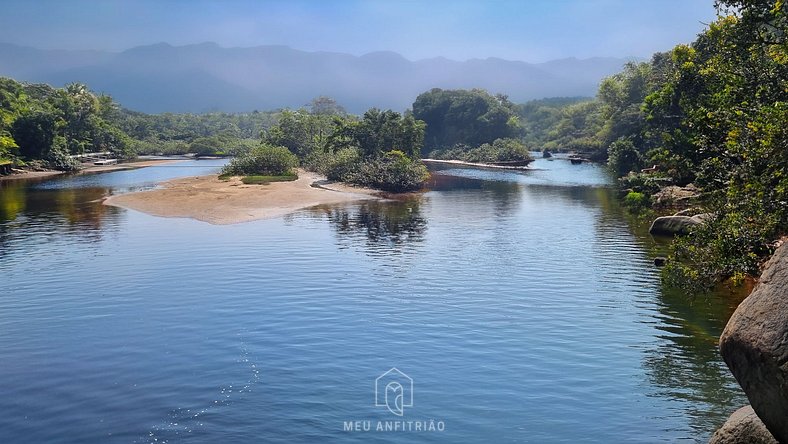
{"x": 522, "y": 306}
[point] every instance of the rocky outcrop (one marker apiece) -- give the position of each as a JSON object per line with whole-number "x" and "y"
{"x": 673, "y": 225}
{"x": 754, "y": 344}
{"x": 671, "y": 196}
{"x": 743, "y": 427}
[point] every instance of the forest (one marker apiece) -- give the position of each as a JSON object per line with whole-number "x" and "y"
{"x": 711, "y": 113}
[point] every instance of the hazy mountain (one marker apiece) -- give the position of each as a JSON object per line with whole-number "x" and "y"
{"x": 207, "y": 77}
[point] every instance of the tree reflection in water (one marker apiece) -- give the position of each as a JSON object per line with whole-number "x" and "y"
{"x": 26, "y": 209}
{"x": 386, "y": 226}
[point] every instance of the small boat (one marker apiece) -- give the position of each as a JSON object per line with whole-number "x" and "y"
{"x": 106, "y": 162}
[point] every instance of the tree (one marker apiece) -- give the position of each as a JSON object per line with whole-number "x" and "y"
{"x": 326, "y": 106}
{"x": 35, "y": 134}
{"x": 379, "y": 132}
{"x": 470, "y": 117}
{"x": 623, "y": 157}
{"x": 301, "y": 132}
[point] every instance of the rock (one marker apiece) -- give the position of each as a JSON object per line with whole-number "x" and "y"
{"x": 754, "y": 344}
{"x": 673, "y": 225}
{"x": 687, "y": 212}
{"x": 675, "y": 195}
{"x": 702, "y": 217}
{"x": 743, "y": 427}
{"x": 660, "y": 261}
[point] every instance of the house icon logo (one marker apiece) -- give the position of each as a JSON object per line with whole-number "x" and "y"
{"x": 394, "y": 390}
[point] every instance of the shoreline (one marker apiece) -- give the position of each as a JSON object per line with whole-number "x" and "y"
{"x": 91, "y": 169}
{"x": 224, "y": 202}
{"x": 478, "y": 165}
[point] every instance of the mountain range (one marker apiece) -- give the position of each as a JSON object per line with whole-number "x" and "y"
{"x": 207, "y": 77}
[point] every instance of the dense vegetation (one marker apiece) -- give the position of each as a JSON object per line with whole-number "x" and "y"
{"x": 499, "y": 151}
{"x": 712, "y": 113}
{"x": 42, "y": 124}
{"x": 540, "y": 121}
{"x": 470, "y": 125}
{"x": 264, "y": 160}
{"x": 380, "y": 150}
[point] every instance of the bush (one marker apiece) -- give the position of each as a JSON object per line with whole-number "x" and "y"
{"x": 160, "y": 147}
{"x": 59, "y": 158}
{"x": 636, "y": 201}
{"x": 623, "y": 157}
{"x": 343, "y": 165}
{"x": 265, "y": 160}
{"x": 501, "y": 150}
{"x": 394, "y": 172}
{"x": 265, "y": 180}
{"x": 644, "y": 183}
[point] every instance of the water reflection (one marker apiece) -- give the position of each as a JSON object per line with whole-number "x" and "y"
{"x": 539, "y": 282}
{"x": 23, "y": 207}
{"x": 73, "y": 204}
{"x": 687, "y": 365}
{"x": 505, "y": 196}
{"x": 390, "y": 226}
{"x": 684, "y": 363}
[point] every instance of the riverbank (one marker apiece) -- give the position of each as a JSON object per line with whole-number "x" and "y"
{"x": 477, "y": 165}
{"x": 222, "y": 202}
{"x": 90, "y": 169}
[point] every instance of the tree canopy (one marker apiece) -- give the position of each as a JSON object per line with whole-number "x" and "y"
{"x": 469, "y": 117}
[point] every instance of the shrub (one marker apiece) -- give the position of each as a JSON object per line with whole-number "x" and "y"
{"x": 636, "y": 201}
{"x": 501, "y": 150}
{"x": 343, "y": 165}
{"x": 644, "y": 183}
{"x": 265, "y": 160}
{"x": 623, "y": 157}
{"x": 59, "y": 158}
{"x": 265, "y": 180}
{"x": 394, "y": 172}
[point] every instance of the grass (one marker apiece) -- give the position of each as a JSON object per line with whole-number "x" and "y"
{"x": 265, "y": 180}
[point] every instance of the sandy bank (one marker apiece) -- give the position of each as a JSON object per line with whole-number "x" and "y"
{"x": 128, "y": 165}
{"x": 220, "y": 202}
{"x": 477, "y": 165}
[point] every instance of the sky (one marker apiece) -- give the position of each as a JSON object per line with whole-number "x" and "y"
{"x": 527, "y": 30}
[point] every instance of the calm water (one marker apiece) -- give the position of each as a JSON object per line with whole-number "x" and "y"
{"x": 524, "y": 306}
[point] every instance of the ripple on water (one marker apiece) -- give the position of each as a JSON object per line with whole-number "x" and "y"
{"x": 522, "y": 304}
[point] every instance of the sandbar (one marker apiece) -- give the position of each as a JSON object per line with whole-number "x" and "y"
{"x": 220, "y": 202}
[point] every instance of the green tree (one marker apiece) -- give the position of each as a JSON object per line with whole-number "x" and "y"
{"x": 470, "y": 117}
{"x": 35, "y": 134}
{"x": 379, "y": 132}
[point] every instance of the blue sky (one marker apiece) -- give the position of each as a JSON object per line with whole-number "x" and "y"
{"x": 529, "y": 30}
